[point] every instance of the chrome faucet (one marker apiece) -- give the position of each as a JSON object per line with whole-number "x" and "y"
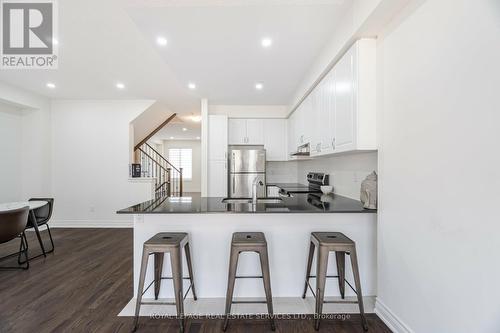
{"x": 254, "y": 190}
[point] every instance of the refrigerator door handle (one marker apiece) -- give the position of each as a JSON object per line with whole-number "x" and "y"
{"x": 234, "y": 181}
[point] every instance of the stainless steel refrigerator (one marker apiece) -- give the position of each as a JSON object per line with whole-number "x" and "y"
{"x": 246, "y": 164}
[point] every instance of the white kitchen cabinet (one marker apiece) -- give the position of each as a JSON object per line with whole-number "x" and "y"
{"x": 217, "y": 137}
{"x": 275, "y": 139}
{"x": 345, "y": 111}
{"x": 237, "y": 131}
{"x": 291, "y": 136}
{"x": 217, "y": 179}
{"x": 355, "y": 98}
{"x": 246, "y": 131}
{"x": 255, "y": 131}
{"x": 217, "y": 156}
{"x": 339, "y": 115}
{"x": 324, "y": 113}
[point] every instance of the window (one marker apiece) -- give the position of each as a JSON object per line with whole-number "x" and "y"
{"x": 182, "y": 158}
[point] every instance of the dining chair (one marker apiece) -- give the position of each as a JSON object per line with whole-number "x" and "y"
{"x": 41, "y": 217}
{"x": 12, "y": 225}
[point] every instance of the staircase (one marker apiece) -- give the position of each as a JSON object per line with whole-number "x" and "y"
{"x": 154, "y": 165}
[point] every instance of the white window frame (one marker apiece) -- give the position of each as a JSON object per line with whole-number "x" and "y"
{"x": 184, "y": 168}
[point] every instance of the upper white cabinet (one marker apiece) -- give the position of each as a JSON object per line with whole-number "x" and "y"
{"x": 246, "y": 131}
{"x": 345, "y": 102}
{"x": 255, "y": 131}
{"x": 339, "y": 115}
{"x": 275, "y": 139}
{"x": 268, "y": 132}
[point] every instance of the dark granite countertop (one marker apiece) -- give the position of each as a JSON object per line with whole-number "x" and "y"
{"x": 194, "y": 203}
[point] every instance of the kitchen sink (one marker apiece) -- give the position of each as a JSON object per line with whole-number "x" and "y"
{"x": 249, "y": 200}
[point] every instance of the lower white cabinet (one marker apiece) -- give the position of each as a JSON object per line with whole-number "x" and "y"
{"x": 217, "y": 178}
{"x": 275, "y": 139}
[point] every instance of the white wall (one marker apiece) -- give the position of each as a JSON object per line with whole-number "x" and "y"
{"x": 346, "y": 171}
{"x": 439, "y": 168}
{"x": 193, "y": 185}
{"x": 155, "y": 114}
{"x": 90, "y": 162}
{"x": 10, "y": 153}
{"x": 34, "y": 144}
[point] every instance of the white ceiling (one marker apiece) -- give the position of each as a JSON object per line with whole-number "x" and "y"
{"x": 214, "y": 43}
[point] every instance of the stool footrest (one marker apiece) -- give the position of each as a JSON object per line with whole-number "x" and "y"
{"x": 170, "y": 278}
{"x": 249, "y": 302}
{"x": 328, "y": 276}
{"x": 340, "y": 302}
{"x": 249, "y": 277}
{"x": 314, "y": 294}
{"x": 157, "y": 303}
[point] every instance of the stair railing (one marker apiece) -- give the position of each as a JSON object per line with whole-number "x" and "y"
{"x": 169, "y": 180}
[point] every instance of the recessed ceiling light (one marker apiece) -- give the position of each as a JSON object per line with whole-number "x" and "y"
{"x": 192, "y": 86}
{"x": 259, "y": 86}
{"x": 55, "y": 41}
{"x": 197, "y": 138}
{"x": 196, "y": 118}
{"x": 266, "y": 42}
{"x": 171, "y": 138}
{"x": 162, "y": 41}
{"x": 120, "y": 85}
{"x": 51, "y": 85}
{"x": 184, "y": 129}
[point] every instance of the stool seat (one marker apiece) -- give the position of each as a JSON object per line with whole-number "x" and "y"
{"x": 248, "y": 239}
{"x": 167, "y": 239}
{"x": 332, "y": 238}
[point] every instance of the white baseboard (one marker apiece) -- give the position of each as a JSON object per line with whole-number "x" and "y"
{"x": 91, "y": 224}
{"x": 390, "y": 319}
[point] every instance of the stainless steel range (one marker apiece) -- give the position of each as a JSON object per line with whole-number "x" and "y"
{"x": 316, "y": 180}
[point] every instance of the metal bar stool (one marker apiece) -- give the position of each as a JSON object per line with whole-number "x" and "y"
{"x": 341, "y": 245}
{"x": 249, "y": 242}
{"x": 159, "y": 244}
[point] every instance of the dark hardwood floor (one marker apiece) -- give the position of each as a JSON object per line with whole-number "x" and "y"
{"x": 87, "y": 281}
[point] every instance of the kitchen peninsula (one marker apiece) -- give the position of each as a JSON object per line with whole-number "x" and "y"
{"x": 287, "y": 225}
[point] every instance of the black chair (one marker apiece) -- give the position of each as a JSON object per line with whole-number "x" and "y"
{"x": 40, "y": 217}
{"x": 12, "y": 225}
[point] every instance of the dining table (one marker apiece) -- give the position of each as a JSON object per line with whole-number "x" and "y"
{"x": 33, "y": 205}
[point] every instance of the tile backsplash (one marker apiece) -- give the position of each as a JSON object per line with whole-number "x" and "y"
{"x": 283, "y": 172}
{"x": 346, "y": 171}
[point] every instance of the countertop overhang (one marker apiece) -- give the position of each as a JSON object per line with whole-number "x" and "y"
{"x": 194, "y": 203}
